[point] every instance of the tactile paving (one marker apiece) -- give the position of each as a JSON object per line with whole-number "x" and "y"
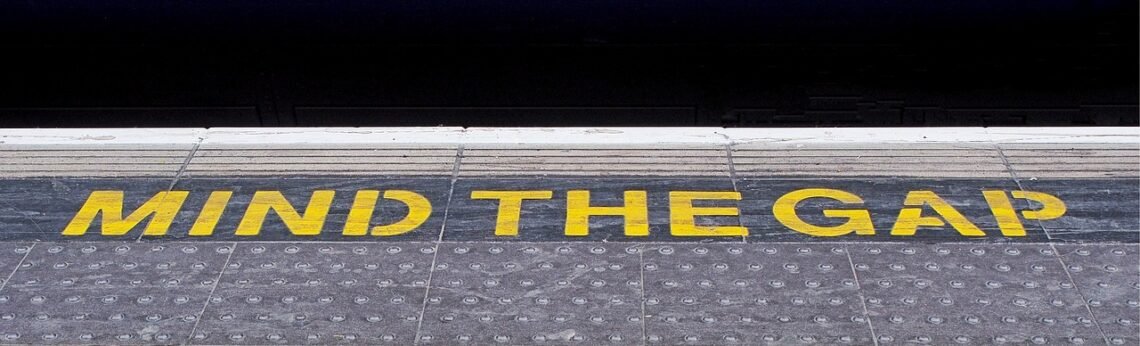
{"x": 569, "y": 293}
{"x": 941, "y": 160}
{"x": 318, "y": 293}
{"x": 1072, "y": 160}
{"x": 10, "y": 256}
{"x": 109, "y": 293}
{"x": 705, "y": 160}
{"x": 946, "y": 294}
{"x": 1109, "y": 279}
{"x": 88, "y": 161}
{"x": 537, "y": 293}
{"x": 703, "y": 294}
{"x": 321, "y": 160}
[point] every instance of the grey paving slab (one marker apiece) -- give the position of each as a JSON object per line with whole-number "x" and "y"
{"x": 39, "y": 209}
{"x": 704, "y": 294}
{"x": 545, "y": 219}
{"x": 945, "y": 294}
{"x": 79, "y": 161}
{"x": 594, "y": 160}
{"x": 882, "y": 198}
{"x": 299, "y": 191}
{"x": 534, "y": 293}
{"x": 318, "y": 293}
{"x": 11, "y": 254}
{"x": 1060, "y": 161}
{"x": 1098, "y": 210}
{"x": 320, "y": 159}
{"x": 109, "y": 292}
{"x": 569, "y": 293}
{"x": 925, "y": 160}
{"x": 1109, "y": 279}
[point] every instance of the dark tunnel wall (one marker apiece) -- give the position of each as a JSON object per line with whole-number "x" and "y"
{"x": 426, "y": 63}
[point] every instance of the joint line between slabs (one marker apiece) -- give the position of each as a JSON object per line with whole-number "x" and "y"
{"x": 732, "y": 178}
{"x": 862, "y": 299}
{"x": 1017, "y": 181}
{"x": 1084, "y": 300}
{"x": 731, "y": 165}
{"x": 17, "y": 268}
{"x": 181, "y": 170}
{"x": 186, "y": 162}
{"x": 427, "y": 293}
{"x": 435, "y": 246}
{"x": 450, "y": 192}
{"x": 644, "y": 316}
{"x": 217, "y": 281}
{"x": 35, "y": 224}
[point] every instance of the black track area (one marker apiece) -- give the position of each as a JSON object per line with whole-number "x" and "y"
{"x": 542, "y": 63}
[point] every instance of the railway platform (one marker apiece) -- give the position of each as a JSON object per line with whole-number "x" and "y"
{"x": 588, "y": 236}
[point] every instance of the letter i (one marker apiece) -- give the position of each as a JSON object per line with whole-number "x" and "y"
{"x": 211, "y": 213}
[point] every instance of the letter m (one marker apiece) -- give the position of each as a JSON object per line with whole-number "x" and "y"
{"x": 164, "y": 206}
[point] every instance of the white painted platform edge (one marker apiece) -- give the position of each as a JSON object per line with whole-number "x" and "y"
{"x": 101, "y": 136}
{"x": 615, "y": 135}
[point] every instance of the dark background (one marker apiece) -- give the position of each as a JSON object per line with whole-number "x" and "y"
{"x": 569, "y": 63}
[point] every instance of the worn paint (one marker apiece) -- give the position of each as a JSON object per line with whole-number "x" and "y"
{"x": 683, "y": 214}
{"x": 688, "y": 213}
{"x": 510, "y": 208}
